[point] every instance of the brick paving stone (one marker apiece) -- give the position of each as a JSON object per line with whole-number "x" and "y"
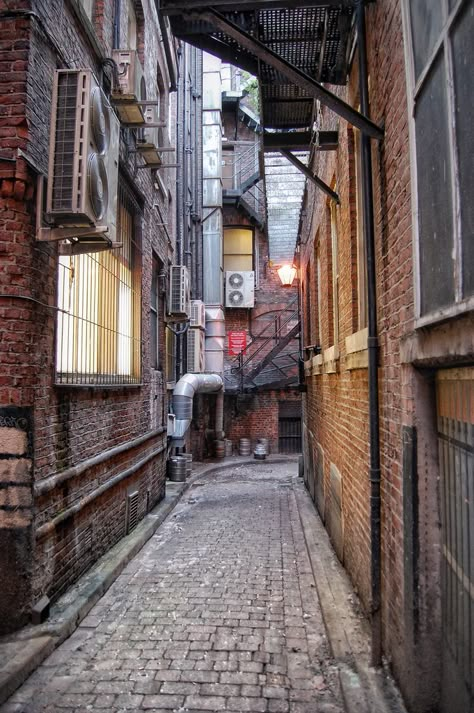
{"x": 218, "y": 612}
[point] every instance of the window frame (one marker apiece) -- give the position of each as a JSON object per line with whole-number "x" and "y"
{"x": 415, "y": 86}
{"x": 87, "y": 327}
{"x": 251, "y": 254}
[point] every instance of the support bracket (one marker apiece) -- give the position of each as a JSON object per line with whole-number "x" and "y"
{"x": 309, "y": 174}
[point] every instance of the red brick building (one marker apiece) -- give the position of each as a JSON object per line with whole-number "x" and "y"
{"x": 424, "y": 329}
{"x": 83, "y": 399}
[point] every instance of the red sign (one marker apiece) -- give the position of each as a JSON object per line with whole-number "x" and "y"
{"x": 237, "y": 343}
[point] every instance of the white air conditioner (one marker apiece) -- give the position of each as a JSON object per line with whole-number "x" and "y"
{"x": 131, "y": 87}
{"x": 195, "y": 350}
{"x": 179, "y": 306}
{"x": 148, "y": 140}
{"x": 81, "y": 198}
{"x": 198, "y": 314}
{"x": 240, "y": 289}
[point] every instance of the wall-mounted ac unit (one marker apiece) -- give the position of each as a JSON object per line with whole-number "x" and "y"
{"x": 196, "y": 342}
{"x": 198, "y": 314}
{"x": 81, "y": 197}
{"x": 179, "y": 306}
{"x": 240, "y": 289}
{"x": 131, "y": 88}
{"x": 148, "y": 139}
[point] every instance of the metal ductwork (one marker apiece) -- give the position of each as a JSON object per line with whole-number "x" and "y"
{"x": 215, "y": 339}
{"x": 183, "y": 396}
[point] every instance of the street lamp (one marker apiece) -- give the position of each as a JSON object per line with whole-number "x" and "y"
{"x": 287, "y": 274}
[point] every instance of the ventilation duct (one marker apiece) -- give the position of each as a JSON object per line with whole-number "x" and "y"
{"x": 183, "y": 396}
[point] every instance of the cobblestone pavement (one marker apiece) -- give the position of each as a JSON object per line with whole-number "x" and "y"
{"x": 218, "y": 612}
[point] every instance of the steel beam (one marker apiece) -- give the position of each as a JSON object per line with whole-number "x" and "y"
{"x": 173, "y": 7}
{"x": 294, "y": 74}
{"x": 327, "y": 140}
{"x": 309, "y": 174}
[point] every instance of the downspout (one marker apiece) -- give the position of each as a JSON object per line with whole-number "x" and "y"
{"x": 183, "y": 396}
{"x": 372, "y": 343}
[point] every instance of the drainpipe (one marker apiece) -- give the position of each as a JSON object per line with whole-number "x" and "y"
{"x": 183, "y": 396}
{"x": 374, "y": 435}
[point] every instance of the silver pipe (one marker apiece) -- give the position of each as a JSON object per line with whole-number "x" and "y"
{"x": 183, "y": 396}
{"x": 215, "y": 339}
{"x": 220, "y": 415}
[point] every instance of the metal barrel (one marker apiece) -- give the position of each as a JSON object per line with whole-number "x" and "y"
{"x": 177, "y": 469}
{"x": 189, "y": 463}
{"x": 244, "y": 446}
{"x": 228, "y": 447}
{"x": 263, "y": 442}
{"x": 260, "y": 452}
{"x": 219, "y": 449}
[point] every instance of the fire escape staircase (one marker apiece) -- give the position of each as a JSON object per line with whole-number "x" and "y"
{"x": 244, "y": 188}
{"x": 265, "y": 366}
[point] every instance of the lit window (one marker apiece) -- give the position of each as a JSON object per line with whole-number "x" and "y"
{"x": 98, "y": 332}
{"x": 238, "y": 249}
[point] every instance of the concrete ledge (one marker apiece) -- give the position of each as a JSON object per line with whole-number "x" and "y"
{"x": 365, "y": 689}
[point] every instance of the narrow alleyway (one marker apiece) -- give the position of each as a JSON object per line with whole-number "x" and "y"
{"x": 219, "y": 611}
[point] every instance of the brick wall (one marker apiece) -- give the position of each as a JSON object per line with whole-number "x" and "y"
{"x": 70, "y": 427}
{"x": 336, "y": 404}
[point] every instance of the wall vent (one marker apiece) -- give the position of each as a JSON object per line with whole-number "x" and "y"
{"x": 132, "y": 511}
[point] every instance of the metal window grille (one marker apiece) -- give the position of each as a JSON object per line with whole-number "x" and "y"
{"x": 99, "y": 296}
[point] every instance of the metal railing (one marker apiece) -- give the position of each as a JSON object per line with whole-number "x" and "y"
{"x": 240, "y": 166}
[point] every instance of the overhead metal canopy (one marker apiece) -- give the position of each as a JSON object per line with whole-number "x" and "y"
{"x": 311, "y": 36}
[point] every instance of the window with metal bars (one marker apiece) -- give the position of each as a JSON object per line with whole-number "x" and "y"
{"x": 99, "y": 300}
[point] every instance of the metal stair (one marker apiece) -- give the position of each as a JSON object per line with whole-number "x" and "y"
{"x": 265, "y": 366}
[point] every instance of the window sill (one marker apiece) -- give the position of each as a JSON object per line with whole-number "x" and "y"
{"x": 446, "y": 313}
{"x": 357, "y": 355}
{"x": 99, "y": 387}
{"x": 331, "y": 360}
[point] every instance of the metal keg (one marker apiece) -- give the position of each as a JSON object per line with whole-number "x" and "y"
{"x": 189, "y": 463}
{"x": 177, "y": 469}
{"x": 228, "y": 447}
{"x": 219, "y": 449}
{"x": 264, "y": 442}
{"x": 244, "y": 446}
{"x": 260, "y": 452}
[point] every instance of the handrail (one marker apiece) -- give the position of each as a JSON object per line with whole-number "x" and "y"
{"x": 242, "y": 364}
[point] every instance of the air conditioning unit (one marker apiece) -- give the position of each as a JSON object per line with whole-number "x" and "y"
{"x": 179, "y": 307}
{"x": 240, "y": 289}
{"x": 149, "y": 139}
{"x": 198, "y": 314}
{"x": 81, "y": 197}
{"x": 196, "y": 352}
{"x": 131, "y": 88}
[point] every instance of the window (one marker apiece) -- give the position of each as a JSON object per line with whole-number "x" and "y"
{"x": 333, "y": 277}
{"x": 170, "y": 355}
{"x": 440, "y": 36}
{"x": 361, "y": 247}
{"x": 156, "y": 308}
{"x": 238, "y": 249}
{"x": 132, "y": 26}
{"x": 98, "y": 330}
{"x": 87, "y": 6}
{"x": 307, "y": 302}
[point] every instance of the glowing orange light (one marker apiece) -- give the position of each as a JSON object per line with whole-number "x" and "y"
{"x": 287, "y": 274}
